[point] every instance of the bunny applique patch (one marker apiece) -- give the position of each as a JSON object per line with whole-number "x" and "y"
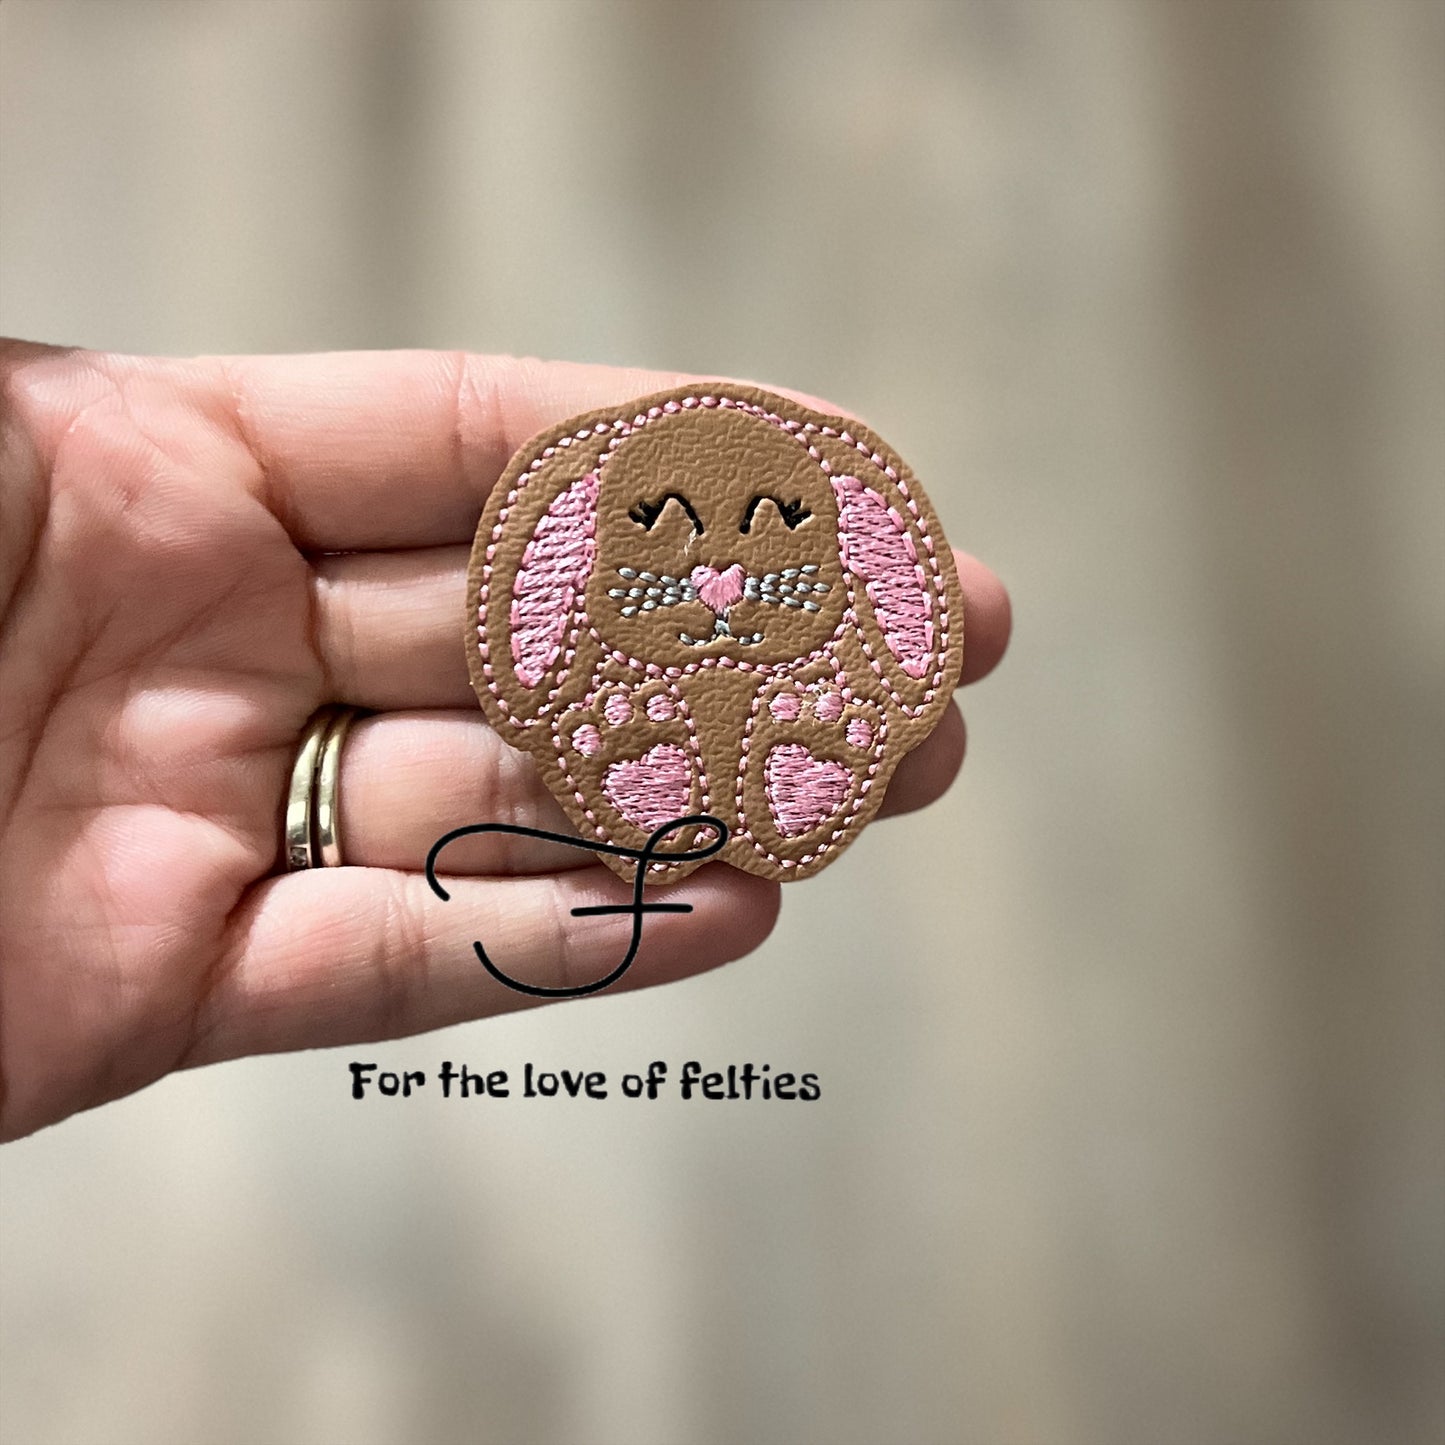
{"x": 714, "y": 600}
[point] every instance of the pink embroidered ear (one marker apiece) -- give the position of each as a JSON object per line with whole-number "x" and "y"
{"x": 551, "y": 579}
{"x": 877, "y": 548}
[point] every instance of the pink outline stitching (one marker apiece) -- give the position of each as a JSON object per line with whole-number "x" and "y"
{"x": 766, "y": 671}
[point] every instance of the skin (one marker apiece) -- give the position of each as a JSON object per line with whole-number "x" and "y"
{"x": 194, "y": 556}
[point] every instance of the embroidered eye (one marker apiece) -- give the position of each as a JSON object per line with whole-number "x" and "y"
{"x": 792, "y": 513}
{"x": 646, "y": 513}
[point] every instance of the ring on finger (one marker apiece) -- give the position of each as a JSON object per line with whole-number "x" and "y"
{"x": 313, "y": 813}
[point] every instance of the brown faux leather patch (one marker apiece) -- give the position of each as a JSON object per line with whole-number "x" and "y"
{"x": 714, "y": 600}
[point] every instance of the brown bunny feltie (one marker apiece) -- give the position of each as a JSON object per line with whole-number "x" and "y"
{"x": 714, "y": 600}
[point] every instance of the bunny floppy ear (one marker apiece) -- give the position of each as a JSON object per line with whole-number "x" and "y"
{"x": 903, "y": 590}
{"x": 551, "y": 581}
{"x": 529, "y": 582}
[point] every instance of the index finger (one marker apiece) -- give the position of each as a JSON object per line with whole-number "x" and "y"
{"x": 370, "y": 450}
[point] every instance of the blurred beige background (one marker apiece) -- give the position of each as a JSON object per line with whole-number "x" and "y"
{"x": 1133, "y": 1049}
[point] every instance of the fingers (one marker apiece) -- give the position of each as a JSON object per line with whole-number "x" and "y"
{"x": 927, "y": 773}
{"x": 408, "y": 778}
{"x": 389, "y": 625}
{"x": 399, "y": 448}
{"x": 987, "y": 617}
{"x": 337, "y": 956}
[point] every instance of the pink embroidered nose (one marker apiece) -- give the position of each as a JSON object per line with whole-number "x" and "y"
{"x": 718, "y": 590}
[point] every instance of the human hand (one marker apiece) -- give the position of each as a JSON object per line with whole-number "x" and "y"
{"x": 194, "y": 556}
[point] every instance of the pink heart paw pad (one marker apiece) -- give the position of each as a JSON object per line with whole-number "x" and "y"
{"x": 651, "y": 789}
{"x": 803, "y": 791}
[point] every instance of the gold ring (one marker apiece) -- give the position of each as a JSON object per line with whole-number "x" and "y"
{"x": 313, "y": 813}
{"x": 328, "y": 790}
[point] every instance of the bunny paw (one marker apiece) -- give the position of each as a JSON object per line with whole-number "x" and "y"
{"x": 630, "y": 753}
{"x": 811, "y": 754}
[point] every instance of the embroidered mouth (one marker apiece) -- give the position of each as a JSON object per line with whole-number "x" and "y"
{"x": 721, "y": 633}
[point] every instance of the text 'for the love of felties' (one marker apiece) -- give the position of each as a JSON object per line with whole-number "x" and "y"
{"x": 693, "y": 1081}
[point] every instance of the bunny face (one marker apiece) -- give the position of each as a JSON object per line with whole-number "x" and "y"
{"x": 717, "y": 537}
{"x": 721, "y": 603}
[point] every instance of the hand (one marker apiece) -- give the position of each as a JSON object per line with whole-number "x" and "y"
{"x": 194, "y": 556}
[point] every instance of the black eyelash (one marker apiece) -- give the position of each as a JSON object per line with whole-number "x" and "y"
{"x": 792, "y": 513}
{"x": 646, "y": 513}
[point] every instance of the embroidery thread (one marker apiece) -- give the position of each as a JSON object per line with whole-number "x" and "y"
{"x": 714, "y": 597}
